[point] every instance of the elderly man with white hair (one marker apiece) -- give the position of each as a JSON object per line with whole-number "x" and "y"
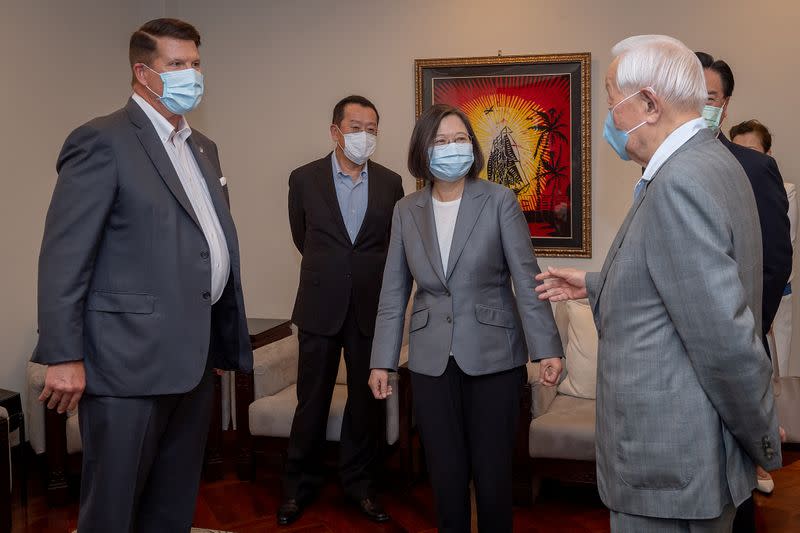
{"x": 684, "y": 397}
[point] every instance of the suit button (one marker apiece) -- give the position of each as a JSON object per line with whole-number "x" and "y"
{"x": 447, "y": 294}
{"x": 348, "y": 276}
{"x": 206, "y": 295}
{"x": 204, "y": 254}
{"x": 449, "y": 320}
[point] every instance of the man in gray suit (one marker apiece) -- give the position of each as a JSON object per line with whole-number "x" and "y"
{"x": 684, "y": 397}
{"x": 140, "y": 294}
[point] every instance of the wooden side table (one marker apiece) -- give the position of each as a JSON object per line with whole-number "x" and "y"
{"x": 16, "y": 420}
{"x": 5, "y": 474}
{"x": 262, "y": 331}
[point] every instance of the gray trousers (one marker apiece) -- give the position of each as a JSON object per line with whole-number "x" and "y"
{"x": 627, "y": 523}
{"x": 142, "y": 459}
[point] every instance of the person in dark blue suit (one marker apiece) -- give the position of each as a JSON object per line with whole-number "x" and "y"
{"x": 140, "y": 292}
{"x": 772, "y": 204}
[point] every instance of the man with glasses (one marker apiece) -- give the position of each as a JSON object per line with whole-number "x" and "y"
{"x": 340, "y": 212}
{"x": 773, "y": 205}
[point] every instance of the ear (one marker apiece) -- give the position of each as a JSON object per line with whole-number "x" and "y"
{"x": 653, "y": 106}
{"x": 725, "y": 103}
{"x": 335, "y": 133}
{"x": 139, "y": 71}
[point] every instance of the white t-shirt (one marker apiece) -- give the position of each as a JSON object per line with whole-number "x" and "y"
{"x": 445, "y": 214}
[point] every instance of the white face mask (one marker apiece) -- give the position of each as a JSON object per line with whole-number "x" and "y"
{"x": 358, "y": 147}
{"x": 713, "y": 116}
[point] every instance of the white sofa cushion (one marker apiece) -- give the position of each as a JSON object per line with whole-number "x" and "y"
{"x": 271, "y": 416}
{"x": 566, "y": 430}
{"x": 275, "y": 366}
{"x": 580, "y": 350}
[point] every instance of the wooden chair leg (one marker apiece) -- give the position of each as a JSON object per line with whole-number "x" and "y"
{"x": 55, "y": 428}
{"x": 535, "y": 489}
{"x": 5, "y": 474}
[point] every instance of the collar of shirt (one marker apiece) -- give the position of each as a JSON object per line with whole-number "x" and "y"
{"x": 164, "y": 129}
{"x": 674, "y": 140}
{"x": 338, "y": 174}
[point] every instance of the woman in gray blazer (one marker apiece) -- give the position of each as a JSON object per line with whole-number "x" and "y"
{"x": 464, "y": 241}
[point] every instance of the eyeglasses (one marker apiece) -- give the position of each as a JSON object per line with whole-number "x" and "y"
{"x": 359, "y": 129}
{"x": 460, "y": 138}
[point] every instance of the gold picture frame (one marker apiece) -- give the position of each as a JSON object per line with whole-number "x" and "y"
{"x": 532, "y": 118}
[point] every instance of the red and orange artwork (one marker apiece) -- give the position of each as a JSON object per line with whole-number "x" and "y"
{"x": 523, "y": 125}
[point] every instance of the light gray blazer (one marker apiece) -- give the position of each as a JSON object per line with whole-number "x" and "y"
{"x": 470, "y": 310}
{"x": 684, "y": 397}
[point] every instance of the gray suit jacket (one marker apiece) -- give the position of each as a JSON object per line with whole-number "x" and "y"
{"x": 470, "y": 310}
{"x": 124, "y": 271}
{"x": 684, "y": 396}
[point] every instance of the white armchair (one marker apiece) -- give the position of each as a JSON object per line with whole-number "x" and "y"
{"x": 557, "y": 424}
{"x": 274, "y": 400}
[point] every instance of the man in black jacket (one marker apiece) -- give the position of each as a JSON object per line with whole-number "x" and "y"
{"x": 340, "y": 212}
{"x": 772, "y": 204}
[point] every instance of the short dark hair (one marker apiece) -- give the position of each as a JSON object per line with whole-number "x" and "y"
{"x": 721, "y": 68}
{"x": 424, "y": 134}
{"x": 754, "y": 126}
{"x": 338, "y": 109}
{"x": 143, "y": 44}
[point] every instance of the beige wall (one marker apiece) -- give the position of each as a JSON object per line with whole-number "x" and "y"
{"x": 63, "y": 62}
{"x": 275, "y": 69}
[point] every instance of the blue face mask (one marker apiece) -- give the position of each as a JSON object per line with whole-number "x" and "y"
{"x": 618, "y": 138}
{"x": 452, "y": 161}
{"x": 183, "y": 90}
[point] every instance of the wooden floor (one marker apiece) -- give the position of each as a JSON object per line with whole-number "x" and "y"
{"x": 245, "y": 507}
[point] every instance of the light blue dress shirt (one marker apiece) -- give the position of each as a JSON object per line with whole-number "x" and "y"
{"x": 352, "y": 196}
{"x": 194, "y": 184}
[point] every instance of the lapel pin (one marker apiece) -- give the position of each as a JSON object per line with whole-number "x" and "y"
{"x": 201, "y": 150}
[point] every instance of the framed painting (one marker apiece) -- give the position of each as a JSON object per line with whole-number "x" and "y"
{"x": 531, "y": 116}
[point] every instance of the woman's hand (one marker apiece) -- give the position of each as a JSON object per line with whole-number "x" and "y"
{"x": 550, "y": 371}
{"x": 379, "y": 383}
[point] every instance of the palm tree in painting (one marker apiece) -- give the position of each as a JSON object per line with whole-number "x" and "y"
{"x": 551, "y": 173}
{"x": 549, "y": 127}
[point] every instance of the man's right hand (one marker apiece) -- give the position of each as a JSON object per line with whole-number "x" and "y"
{"x": 559, "y": 284}
{"x": 63, "y": 386}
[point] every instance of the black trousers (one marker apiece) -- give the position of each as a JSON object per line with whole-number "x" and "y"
{"x": 363, "y": 423}
{"x": 745, "y": 521}
{"x": 142, "y": 459}
{"x": 467, "y": 425}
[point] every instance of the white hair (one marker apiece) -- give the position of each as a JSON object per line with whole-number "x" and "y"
{"x": 666, "y": 65}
